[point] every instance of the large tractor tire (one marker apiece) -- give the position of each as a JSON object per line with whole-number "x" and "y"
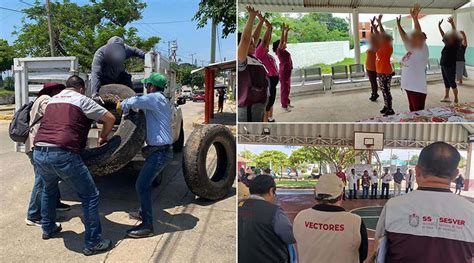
{"x": 126, "y": 142}
{"x": 178, "y": 145}
{"x": 217, "y": 185}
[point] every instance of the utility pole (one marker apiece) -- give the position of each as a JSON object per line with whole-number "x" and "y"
{"x": 213, "y": 40}
{"x": 192, "y": 57}
{"x": 50, "y": 28}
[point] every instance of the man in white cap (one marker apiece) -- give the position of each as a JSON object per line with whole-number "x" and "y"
{"x": 326, "y": 232}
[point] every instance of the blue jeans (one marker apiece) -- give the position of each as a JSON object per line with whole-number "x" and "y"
{"x": 365, "y": 192}
{"x": 54, "y": 164}
{"x": 34, "y": 207}
{"x": 154, "y": 164}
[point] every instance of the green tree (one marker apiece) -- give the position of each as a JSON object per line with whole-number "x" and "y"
{"x": 337, "y": 156}
{"x": 80, "y": 30}
{"x": 222, "y": 11}
{"x": 7, "y": 54}
{"x": 277, "y": 159}
{"x": 413, "y": 160}
{"x": 184, "y": 76}
{"x": 247, "y": 154}
{"x": 312, "y": 27}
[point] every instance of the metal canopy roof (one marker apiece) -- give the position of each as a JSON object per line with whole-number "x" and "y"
{"x": 346, "y": 6}
{"x": 401, "y": 135}
{"x": 219, "y": 66}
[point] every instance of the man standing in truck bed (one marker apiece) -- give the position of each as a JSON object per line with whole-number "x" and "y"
{"x": 108, "y": 65}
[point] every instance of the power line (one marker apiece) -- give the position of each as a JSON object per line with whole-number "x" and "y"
{"x": 13, "y": 10}
{"x": 162, "y": 22}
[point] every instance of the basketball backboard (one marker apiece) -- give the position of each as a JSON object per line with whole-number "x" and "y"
{"x": 368, "y": 141}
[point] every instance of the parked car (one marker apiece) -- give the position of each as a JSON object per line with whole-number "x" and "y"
{"x": 198, "y": 95}
{"x": 187, "y": 92}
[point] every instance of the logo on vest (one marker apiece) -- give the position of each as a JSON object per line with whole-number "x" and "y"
{"x": 413, "y": 220}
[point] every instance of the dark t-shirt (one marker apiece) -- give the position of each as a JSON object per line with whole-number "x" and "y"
{"x": 461, "y": 53}
{"x": 449, "y": 53}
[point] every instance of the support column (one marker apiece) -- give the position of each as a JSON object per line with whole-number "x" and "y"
{"x": 355, "y": 30}
{"x": 469, "y": 174}
{"x": 207, "y": 80}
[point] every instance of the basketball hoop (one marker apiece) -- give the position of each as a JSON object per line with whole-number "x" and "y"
{"x": 368, "y": 141}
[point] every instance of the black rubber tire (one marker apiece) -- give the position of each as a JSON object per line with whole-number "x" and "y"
{"x": 126, "y": 142}
{"x": 195, "y": 153}
{"x": 178, "y": 145}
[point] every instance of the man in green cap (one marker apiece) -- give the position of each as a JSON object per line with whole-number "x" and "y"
{"x": 158, "y": 152}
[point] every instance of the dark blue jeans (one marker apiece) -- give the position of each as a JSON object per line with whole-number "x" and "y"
{"x": 365, "y": 192}
{"x": 54, "y": 164}
{"x": 154, "y": 164}
{"x": 34, "y": 207}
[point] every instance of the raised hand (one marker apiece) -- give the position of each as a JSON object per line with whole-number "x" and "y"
{"x": 260, "y": 16}
{"x": 440, "y": 22}
{"x": 379, "y": 19}
{"x": 415, "y": 10}
{"x": 451, "y": 20}
{"x": 372, "y": 21}
{"x": 399, "y": 19}
{"x": 251, "y": 10}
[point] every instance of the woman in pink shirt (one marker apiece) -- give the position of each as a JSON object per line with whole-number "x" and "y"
{"x": 269, "y": 62}
{"x": 286, "y": 66}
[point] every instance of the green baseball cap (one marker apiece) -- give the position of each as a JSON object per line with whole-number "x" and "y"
{"x": 156, "y": 79}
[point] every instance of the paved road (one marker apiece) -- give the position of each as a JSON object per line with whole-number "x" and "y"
{"x": 188, "y": 229}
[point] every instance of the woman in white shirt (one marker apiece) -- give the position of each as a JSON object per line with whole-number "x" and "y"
{"x": 413, "y": 64}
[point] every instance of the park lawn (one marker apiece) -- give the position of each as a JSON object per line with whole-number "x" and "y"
{"x": 291, "y": 183}
{"x": 5, "y": 92}
{"x": 326, "y": 69}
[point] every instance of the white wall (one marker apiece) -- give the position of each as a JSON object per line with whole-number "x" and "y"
{"x": 311, "y": 53}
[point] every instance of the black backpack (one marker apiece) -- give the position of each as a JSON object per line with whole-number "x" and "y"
{"x": 20, "y": 126}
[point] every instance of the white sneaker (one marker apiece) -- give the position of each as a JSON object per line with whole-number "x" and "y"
{"x": 287, "y": 109}
{"x": 32, "y": 222}
{"x": 445, "y": 100}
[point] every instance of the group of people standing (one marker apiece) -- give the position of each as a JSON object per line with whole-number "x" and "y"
{"x": 371, "y": 183}
{"x": 259, "y": 74}
{"x": 413, "y": 64}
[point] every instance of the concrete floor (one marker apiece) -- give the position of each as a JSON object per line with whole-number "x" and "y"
{"x": 187, "y": 228}
{"x": 351, "y": 106}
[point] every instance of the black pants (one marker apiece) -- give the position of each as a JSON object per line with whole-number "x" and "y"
{"x": 373, "y": 191}
{"x": 373, "y": 81}
{"x": 384, "y": 193}
{"x": 449, "y": 76}
{"x": 124, "y": 78}
{"x": 409, "y": 188}
{"x": 385, "y": 82}
{"x": 273, "y": 84}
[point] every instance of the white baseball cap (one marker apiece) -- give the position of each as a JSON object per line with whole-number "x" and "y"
{"x": 330, "y": 185}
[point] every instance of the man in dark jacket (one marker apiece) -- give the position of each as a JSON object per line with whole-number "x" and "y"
{"x": 108, "y": 65}
{"x": 265, "y": 232}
